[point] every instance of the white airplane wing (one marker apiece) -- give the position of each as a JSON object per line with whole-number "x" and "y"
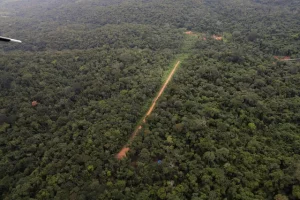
{"x": 5, "y": 39}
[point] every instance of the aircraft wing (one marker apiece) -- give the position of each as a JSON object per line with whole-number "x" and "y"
{"x": 5, "y": 39}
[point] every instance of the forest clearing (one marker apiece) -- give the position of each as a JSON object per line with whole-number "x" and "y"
{"x": 125, "y": 149}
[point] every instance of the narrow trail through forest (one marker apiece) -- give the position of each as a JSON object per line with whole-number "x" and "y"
{"x": 126, "y": 148}
{"x": 296, "y": 59}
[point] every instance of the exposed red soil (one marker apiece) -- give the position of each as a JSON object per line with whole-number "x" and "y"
{"x": 122, "y": 153}
{"x": 199, "y": 35}
{"x": 189, "y": 33}
{"x": 34, "y": 103}
{"x": 282, "y": 58}
{"x": 217, "y": 37}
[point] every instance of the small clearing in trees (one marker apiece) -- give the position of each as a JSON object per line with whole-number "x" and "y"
{"x": 217, "y": 37}
{"x": 122, "y": 153}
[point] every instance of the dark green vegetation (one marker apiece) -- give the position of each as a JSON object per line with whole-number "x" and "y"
{"x": 227, "y": 126}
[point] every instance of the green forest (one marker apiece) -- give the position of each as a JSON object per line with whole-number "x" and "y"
{"x": 72, "y": 93}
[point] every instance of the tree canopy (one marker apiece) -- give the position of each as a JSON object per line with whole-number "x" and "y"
{"x": 226, "y": 127}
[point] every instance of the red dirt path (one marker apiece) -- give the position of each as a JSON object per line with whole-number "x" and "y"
{"x": 125, "y": 149}
{"x": 122, "y": 153}
{"x": 217, "y": 37}
{"x": 282, "y": 58}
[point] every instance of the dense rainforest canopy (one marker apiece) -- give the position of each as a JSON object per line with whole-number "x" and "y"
{"x": 226, "y": 127}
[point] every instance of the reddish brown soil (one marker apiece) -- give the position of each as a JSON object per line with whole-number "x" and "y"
{"x": 122, "y": 153}
{"x": 34, "y": 103}
{"x": 282, "y": 58}
{"x": 189, "y": 33}
{"x": 217, "y": 37}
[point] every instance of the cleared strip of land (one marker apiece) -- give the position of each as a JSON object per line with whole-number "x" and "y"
{"x": 126, "y": 148}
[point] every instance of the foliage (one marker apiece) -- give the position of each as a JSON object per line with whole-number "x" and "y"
{"x": 227, "y": 126}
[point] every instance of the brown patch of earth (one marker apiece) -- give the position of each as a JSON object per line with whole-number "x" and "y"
{"x": 122, "y": 153}
{"x": 217, "y": 37}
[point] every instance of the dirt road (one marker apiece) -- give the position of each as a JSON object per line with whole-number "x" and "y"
{"x": 126, "y": 148}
